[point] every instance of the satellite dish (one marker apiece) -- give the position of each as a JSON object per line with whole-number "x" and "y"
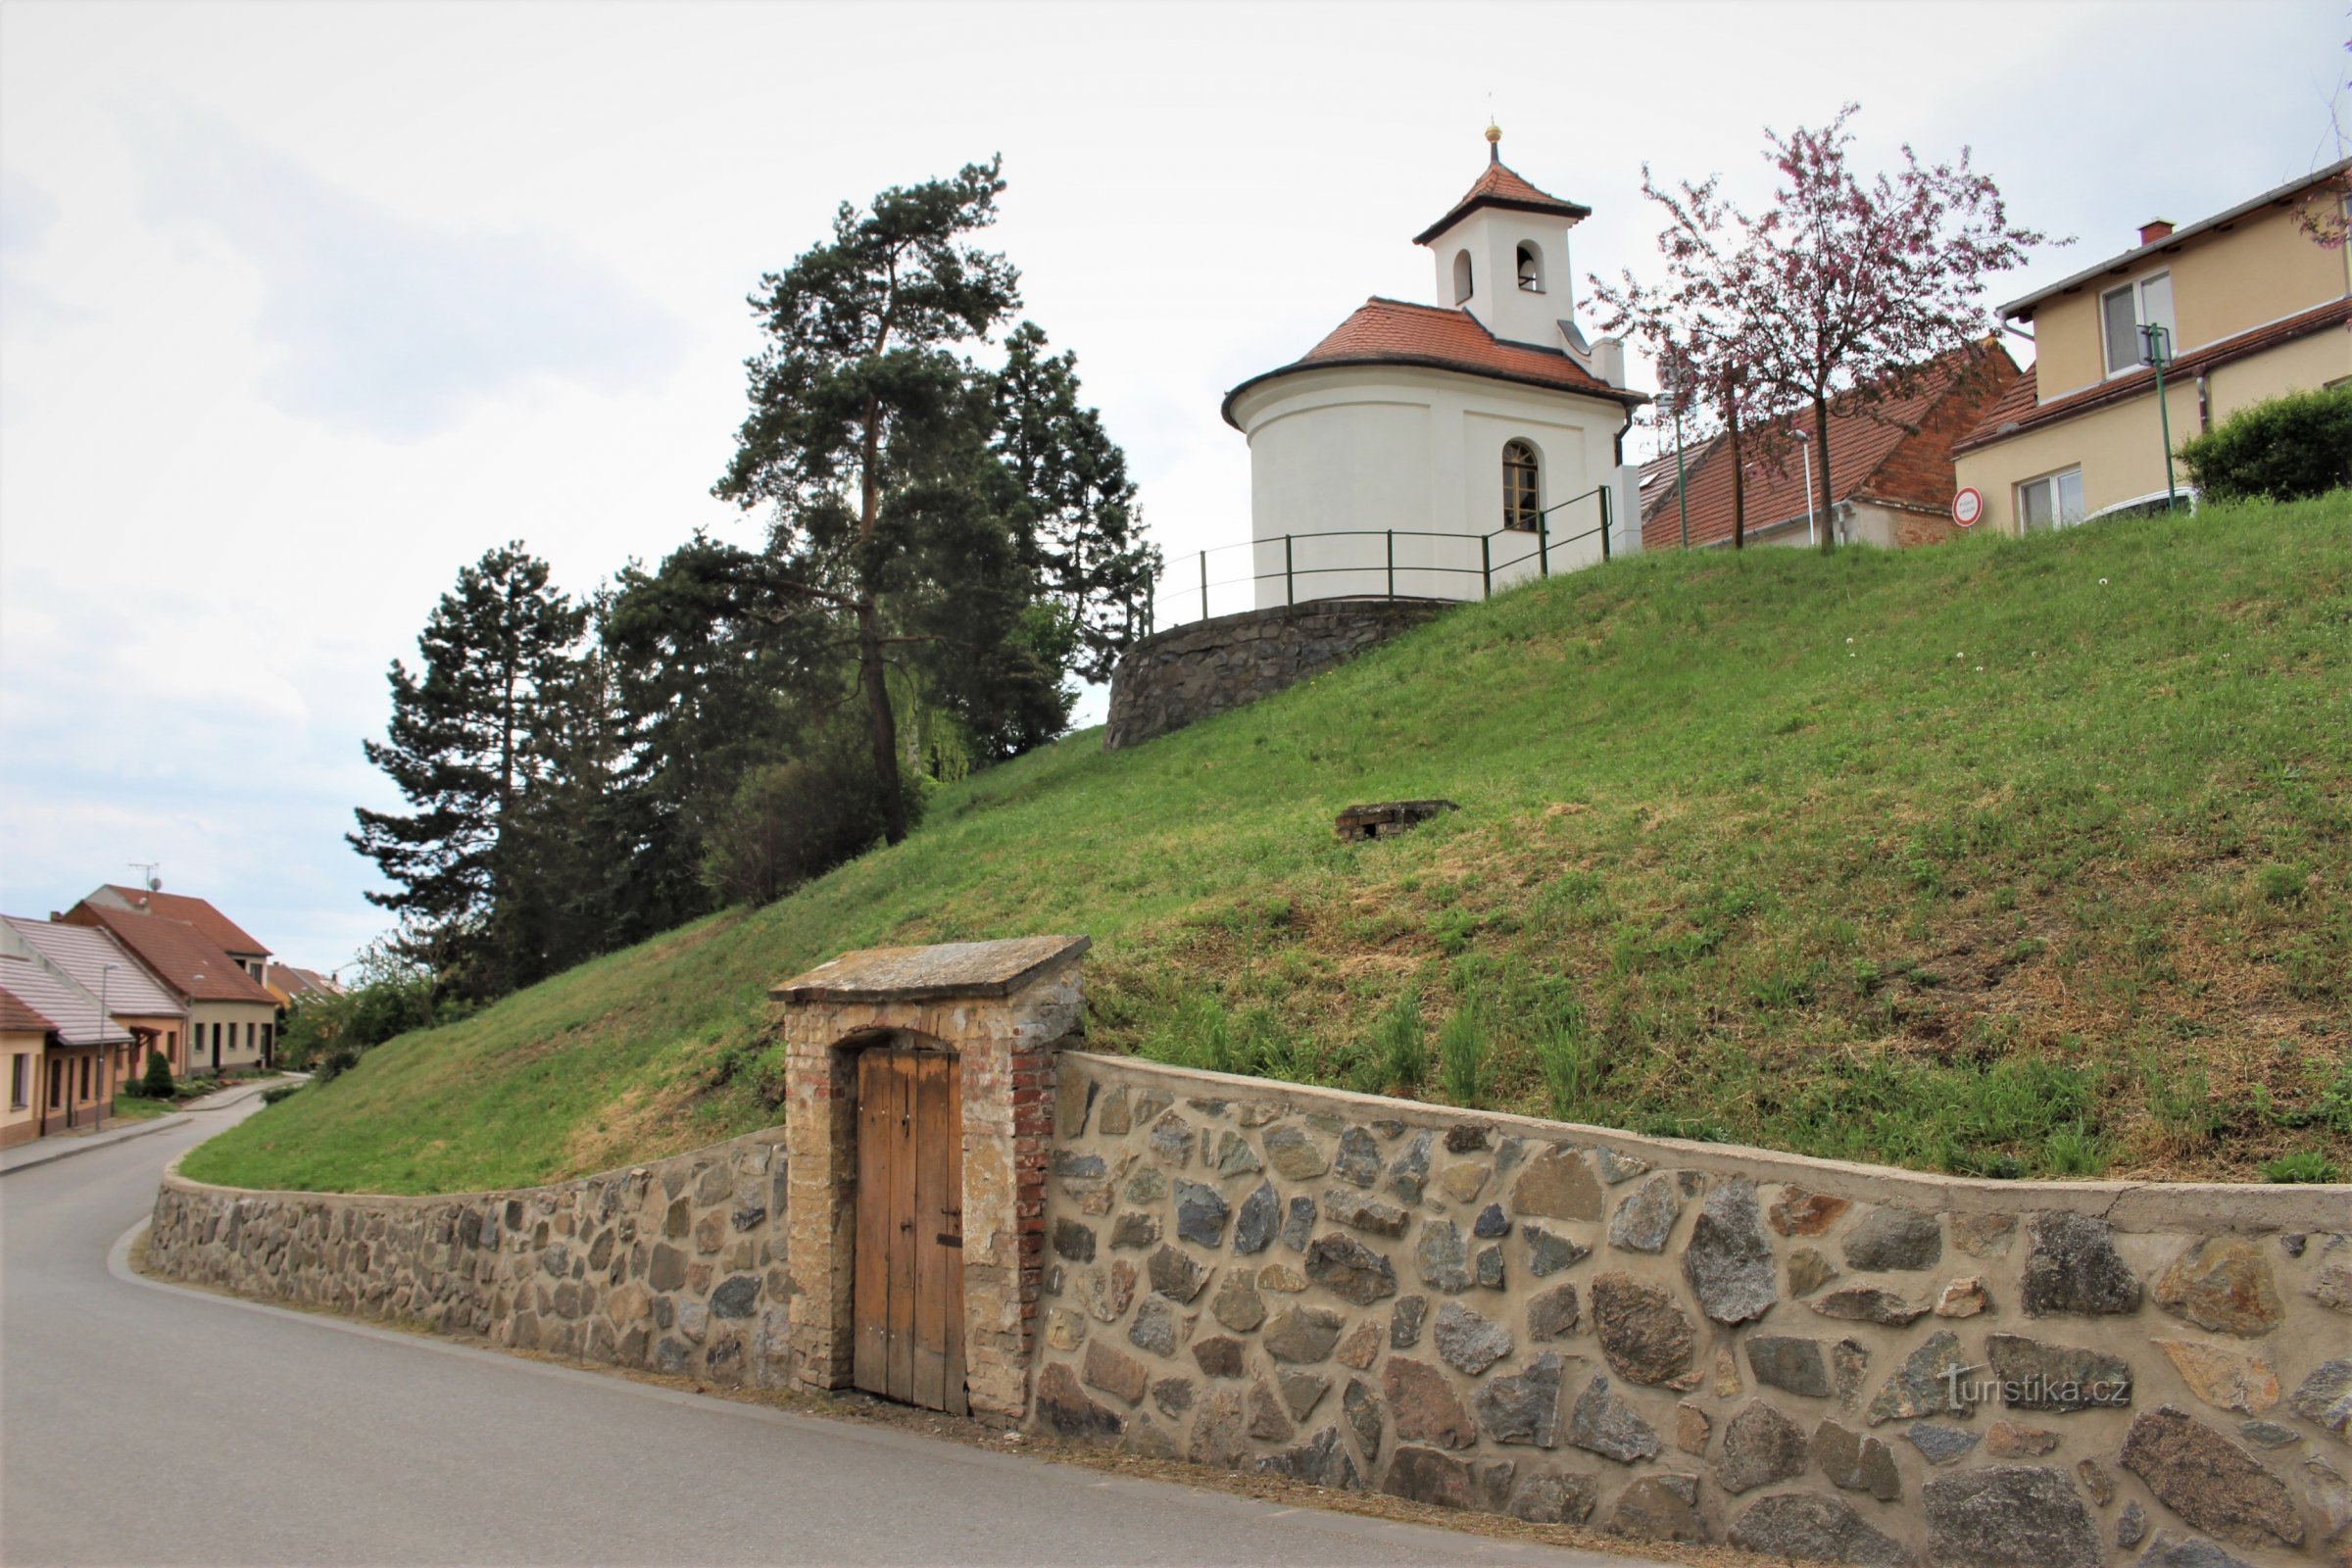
{"x": 155, "y": 884}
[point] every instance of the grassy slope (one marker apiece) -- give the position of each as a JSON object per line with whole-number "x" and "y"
{"x": 2005, "y": 856}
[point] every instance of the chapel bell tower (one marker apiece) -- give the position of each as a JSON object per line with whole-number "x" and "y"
{"x": 1502, "y": 254}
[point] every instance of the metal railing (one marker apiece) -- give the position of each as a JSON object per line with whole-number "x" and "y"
{"x": 1189, "y": 589}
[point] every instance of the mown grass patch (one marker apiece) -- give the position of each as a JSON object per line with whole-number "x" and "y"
{"x": 2009, "y": 857}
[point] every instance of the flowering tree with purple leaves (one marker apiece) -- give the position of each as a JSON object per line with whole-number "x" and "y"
{"x": 1844, "y": 287}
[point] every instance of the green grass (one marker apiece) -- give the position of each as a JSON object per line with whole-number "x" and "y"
{"x": 131, "y": 1107}
{"x": 2012, "y": 857}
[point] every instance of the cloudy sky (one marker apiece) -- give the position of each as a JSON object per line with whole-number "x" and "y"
{"x": 303, "y": 307}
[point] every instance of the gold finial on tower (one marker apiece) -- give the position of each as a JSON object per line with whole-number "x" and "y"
{"x": 1493, "y": 142}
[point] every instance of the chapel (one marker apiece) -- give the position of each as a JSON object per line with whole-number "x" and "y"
{"x": 1441, "y": 451}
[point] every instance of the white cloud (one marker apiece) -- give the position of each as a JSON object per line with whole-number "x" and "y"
{"x": 394, "y": 328}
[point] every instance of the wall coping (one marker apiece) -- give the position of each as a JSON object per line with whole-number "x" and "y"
{"x": 2257, "y": 1207}
{"x": 173, "y": 1181}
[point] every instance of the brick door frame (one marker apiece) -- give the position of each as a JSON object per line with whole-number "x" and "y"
{"x": 1003, "y": 1007}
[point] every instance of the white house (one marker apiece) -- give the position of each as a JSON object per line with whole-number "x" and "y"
{"x": 1433, "y": 450}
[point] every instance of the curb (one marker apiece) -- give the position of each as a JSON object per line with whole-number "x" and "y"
{"x": 67, "y": 1149}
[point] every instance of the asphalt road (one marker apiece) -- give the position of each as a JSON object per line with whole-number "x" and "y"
{"x": 145, "y": 1424}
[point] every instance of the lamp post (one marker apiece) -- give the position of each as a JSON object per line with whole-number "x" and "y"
{"x": 106, "y": 975}
{"x": 2156, "y": 349}
{"x": 1805, "y": 440}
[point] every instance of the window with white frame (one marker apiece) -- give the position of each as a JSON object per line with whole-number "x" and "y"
{"x": 2053, "y": 501}
{"x": 2122, "y": 311}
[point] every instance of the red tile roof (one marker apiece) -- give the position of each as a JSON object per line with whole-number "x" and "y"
{"x": 2021, "y": 408}
{"x": 1863, "y": 442}
{"x": 176, "y": 953}
{"x": 1393, "y": 332}
{"x": 16, "y": 1017}
{"x": 1499, "y": 186}
{"x": 218, "y": 928}
{"x": 74, "y": 1011}
{"x": 99, "y": 964}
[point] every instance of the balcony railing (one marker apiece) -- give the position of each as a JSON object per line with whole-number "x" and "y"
{"x": 1189, "y": 589}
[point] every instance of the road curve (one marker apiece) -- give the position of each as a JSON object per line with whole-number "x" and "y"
{"x": 141, "y": 1423}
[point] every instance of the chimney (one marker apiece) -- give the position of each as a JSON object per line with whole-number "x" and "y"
{"x": 2154, "y": 229}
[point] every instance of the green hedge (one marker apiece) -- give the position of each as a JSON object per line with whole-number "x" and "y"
{"x": 2286, "y": 449}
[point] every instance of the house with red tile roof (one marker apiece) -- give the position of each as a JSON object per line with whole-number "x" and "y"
{"x": 1891, "y": 476}
{"x": 1438, "y": 451}
{"x": 232, "y": 1021}
{"x": 69, "y": 1084}
{"x": 2246, "y": 306}
{"x": 93, "y": 959}
{"x": 218, "y": 928}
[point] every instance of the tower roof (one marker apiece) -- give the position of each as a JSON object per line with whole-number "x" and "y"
{"x": 1498, "y": 186}
{"x": 1393, "y": 332}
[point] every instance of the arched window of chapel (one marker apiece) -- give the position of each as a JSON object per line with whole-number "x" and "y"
{"x": 1531, "y": 268}
{"x": 1522, "y": 487}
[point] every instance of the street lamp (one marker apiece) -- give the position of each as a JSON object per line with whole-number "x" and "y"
{"x": 1805, "y": 437}
{"x": 2156, "y": 349}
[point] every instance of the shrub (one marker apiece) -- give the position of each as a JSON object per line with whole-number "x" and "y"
{"x": 789, "y": 822}
{"x": 1399, "y": 1044}
{"x": 277, "y": 1092}
{"x": 1462, "y": 1057}
{"x": 2284, "y": 449}
{"x": 156, "y": 1084}
{"x": 1570, "y": 1057}
{"x": 2304, "y": 1165}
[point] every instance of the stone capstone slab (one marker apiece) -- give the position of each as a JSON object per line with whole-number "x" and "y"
{"x": 939, "y": 972}
{"x": 2009, "y": 1517}
{"x": 2209, "y": 1480}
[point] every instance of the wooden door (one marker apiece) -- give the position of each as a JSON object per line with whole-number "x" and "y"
{"x": 907, "y": 1296}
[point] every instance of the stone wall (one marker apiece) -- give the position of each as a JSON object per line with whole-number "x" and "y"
{"x": 675, "y": 1267}
{"x": 1686, "y": 1342}
{"x": 1181, "y": 676}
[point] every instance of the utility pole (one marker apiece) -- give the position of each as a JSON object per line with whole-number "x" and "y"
{"x": 1682, "y": 488}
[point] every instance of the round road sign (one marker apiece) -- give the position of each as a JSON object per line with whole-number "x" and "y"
{"x": 1967, "y": 507}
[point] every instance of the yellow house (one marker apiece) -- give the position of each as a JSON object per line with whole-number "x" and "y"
{"x": 2253, "y": 305}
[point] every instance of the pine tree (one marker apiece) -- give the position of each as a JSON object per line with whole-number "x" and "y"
{"x": 460, "y": 748}
{"x": 1070, "y": 497}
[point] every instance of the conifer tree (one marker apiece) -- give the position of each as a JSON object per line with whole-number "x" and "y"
{"x": 460, "y": 748}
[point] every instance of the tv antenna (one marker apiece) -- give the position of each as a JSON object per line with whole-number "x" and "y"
{"x": 155, "y": 884}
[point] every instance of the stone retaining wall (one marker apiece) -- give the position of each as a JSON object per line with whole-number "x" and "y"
{"x": 1685, "y": 1342}
{"x": 1182, "y": 676}
{"x": 674, "y": 1266}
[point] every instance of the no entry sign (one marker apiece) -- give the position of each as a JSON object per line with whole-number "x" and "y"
{"x": 1967, "y": 507}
